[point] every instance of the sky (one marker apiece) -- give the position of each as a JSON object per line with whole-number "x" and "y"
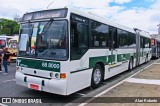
{"x": 142, "y": 14}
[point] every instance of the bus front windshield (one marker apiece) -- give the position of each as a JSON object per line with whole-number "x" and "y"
{"x": 13, "y": 45}
{"x": 44, "y": 40}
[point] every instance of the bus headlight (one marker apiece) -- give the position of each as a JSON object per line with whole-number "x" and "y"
{"x": 19, "y": 69}
{"x": 57, "y": 75}
{"x": 51, "y": 74}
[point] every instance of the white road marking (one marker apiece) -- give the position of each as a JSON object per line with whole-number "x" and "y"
{"x": 105, "y": 91}
{"x": 157, "y": 63}
{"x": 143, "y": 81}
{"x": 9, "y": 80}
{"x": 3, "y": 104}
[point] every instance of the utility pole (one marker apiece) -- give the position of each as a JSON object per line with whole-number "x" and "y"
{"x": 158, "y": 29}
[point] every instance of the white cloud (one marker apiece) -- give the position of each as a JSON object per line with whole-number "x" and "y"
{"x": 145, "y": 19}
{"x": 142, "y": 18}
{"x": 122, "y": 1}
{"x": 8, "y": 12}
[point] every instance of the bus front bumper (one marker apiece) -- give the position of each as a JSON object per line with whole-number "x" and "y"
{"x": 56, "y": 86}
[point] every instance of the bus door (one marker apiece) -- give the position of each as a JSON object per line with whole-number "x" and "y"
{"x": 113, "y": 44}
{"x": 79, "y": 36}
{"x": 158, "y": 49}
{"x": 138, "y": 52}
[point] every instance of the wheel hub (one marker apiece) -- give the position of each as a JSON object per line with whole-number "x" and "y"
{"x": 97, "y": 76}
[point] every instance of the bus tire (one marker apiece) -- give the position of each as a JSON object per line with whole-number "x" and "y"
{"x": 146, "y": 58}
{"x": 130, "y": 65}
{"x": 96, "y": 76}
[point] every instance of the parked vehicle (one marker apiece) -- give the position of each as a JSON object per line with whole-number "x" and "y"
{"x": 74, "y": 50}
{"x": 12, "y": 48}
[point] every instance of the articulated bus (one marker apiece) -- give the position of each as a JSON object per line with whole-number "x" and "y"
{"x": 75, "y": 50}
{"x": 155, "y": 48}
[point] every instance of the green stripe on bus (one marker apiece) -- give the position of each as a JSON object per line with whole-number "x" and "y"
{"x": 39, "y": 64}
{"x": 108, "y": 59}
{"x": 111, "y": 58}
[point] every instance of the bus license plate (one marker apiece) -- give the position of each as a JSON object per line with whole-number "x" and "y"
{"x": 34, "y": 86}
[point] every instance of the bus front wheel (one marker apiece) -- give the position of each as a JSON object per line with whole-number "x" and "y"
{"x": 96, "y": 76}
{"x": 146, "y": 60}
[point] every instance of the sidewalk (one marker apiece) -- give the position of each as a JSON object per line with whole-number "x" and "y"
{"x": 144, "y": 84}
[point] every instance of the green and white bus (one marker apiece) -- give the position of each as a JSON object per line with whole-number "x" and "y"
{"x": 74, "y": 50}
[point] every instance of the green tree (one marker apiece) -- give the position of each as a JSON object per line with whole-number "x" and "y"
{"x": 8, "y": 27}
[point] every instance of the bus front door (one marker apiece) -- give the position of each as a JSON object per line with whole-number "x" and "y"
{"x": 112, "y": 45}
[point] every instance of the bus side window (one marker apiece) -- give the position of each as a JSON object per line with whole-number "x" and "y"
{"x": 79, "y": 40}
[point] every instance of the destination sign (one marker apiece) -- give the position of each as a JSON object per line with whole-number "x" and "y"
{"x": 27, "y": 16}
{"x": 79, "y": 18}
{"x": 60, "y": 13}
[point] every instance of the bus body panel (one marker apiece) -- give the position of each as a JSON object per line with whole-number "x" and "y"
{"x": 50, "y": 85}
{"x": 155, "y": 48}
{"x": 78, "y": 81}
{"x": 82, "y": 77}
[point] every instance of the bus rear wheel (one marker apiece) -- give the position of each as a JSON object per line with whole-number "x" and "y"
{"x": 146, "y": 60}
{"x": 96, "y": 76}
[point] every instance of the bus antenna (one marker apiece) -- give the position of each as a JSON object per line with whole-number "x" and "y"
{"x": 50, "y": 4}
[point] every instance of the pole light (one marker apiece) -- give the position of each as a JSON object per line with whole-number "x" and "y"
{"x": 158, "y": 29}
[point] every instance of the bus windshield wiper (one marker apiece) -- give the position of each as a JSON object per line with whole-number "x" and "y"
{"x": 47, "y": 26}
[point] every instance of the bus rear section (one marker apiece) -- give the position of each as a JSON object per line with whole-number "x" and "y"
{"x": 155, "y": 48}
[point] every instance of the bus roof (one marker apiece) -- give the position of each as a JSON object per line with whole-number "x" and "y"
{"x": 49, "y": 13}
{"x": 6, "y": 36}
{"x": 14, "y": 38}
{"x": 100, "y": 19}
{"x": 143, "y": 33}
